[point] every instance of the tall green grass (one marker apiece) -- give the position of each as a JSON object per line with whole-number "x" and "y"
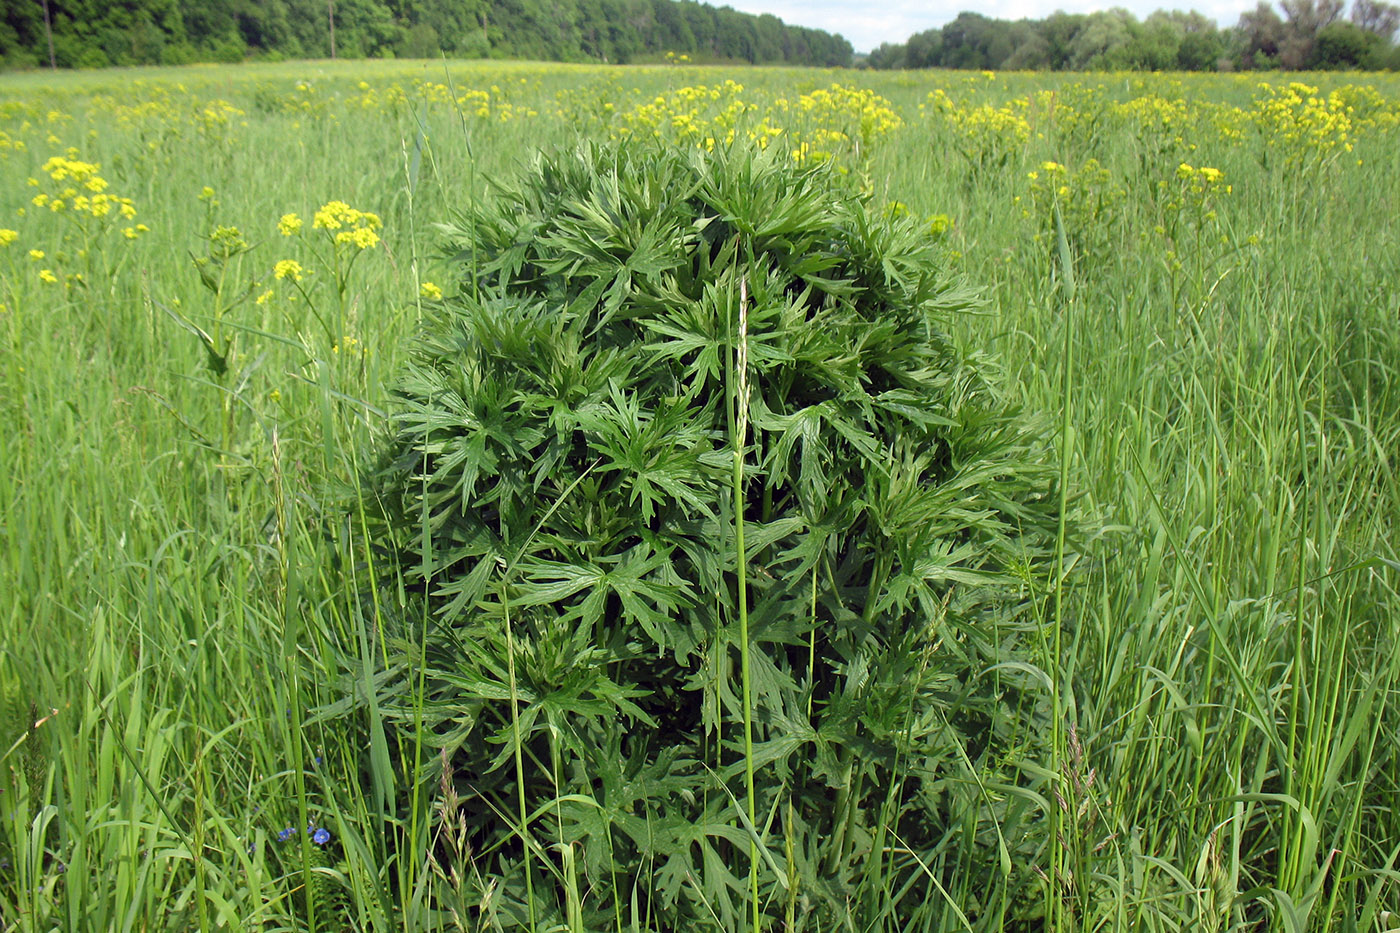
{"x": 179, "y": 595}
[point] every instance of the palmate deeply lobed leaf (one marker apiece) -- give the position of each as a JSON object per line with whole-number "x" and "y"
{"x": 561, "y": 461}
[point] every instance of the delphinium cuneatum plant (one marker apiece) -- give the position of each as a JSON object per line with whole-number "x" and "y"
{"x": 712, "y": 550}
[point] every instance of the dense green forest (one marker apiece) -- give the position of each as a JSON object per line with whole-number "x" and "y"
{"x": 95, "y": 33}
{"x": 1306, "y": 34}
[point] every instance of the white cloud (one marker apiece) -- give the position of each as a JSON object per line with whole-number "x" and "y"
{"x": 867, "y": 25}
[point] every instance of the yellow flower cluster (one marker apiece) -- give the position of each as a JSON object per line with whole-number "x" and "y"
{"x": 817, "y": 125}
{"x": 215, "y": 117}
{"x": 288, "y": 269}
{"x": 76, "y": 188}
{"x": 700, "y": 113}
{"x": 9, "y": 144}
{"x": 1309, "y": 129}
{"x": 986, "y": 136}
{"x": 1368, "y": 109}
{"x": 484, "y": 104}
{"x": 1187, "y": 199}
{"x": 345, "y": 223}
{"x": 1164, "y": 129}
{"x": 8, "y": 236}
{"x": 1155, "y": 113}
{"x": 304, "y": 98}
{"x": 844, "y": 112}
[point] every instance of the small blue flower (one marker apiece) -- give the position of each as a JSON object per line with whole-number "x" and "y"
{"x": 321, "y": 836}
{"x": 285, "y": 834}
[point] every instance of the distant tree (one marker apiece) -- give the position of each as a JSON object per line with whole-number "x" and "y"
{"x": 1261, "y": 32}
{"x": 700, "y": 17}
{"x": 965, "y": 41}
{"x": 1032, "y": 53}
{"x": 673, "y": 32}
{"x": 1059, "y": 30}
{"x": 1305, "y": 19}
{"x": 1376, "y": 17}
{"x": 1103, "y": 40}
{"x": 1154, "y": 44}
{"x": 1341, "y": 45}
{"x": 1199, "y": 51}
{"x": 90, "y": 33}
{"x": 767, "y": 39}
{"x": 888, "y": 55}
{"x": 1000, "y": 41}
{"x": 923, "y": 50}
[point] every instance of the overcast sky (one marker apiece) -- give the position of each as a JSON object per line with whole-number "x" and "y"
{"x": 867, "y": 23}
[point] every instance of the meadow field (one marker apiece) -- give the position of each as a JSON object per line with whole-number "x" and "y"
{"x": 215, "y": 708}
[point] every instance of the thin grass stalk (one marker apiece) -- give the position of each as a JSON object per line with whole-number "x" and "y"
{"x": 417, "y": 811}
{"x": 1057, "y": 828}
{"x": 741, "y": 429}
{"x": 523, "y": 827}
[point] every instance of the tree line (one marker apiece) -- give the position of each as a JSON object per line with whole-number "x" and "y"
{"x": 96, "y": 33}
{"x": 1300, "y": 34}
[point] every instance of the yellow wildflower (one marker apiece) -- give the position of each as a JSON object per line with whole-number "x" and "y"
{"x": 36, "y": 254}
{"x": 331, "y": 216}
{"x": 430, "y": 291}
{"x": 47, "y": 276}
{"x": 288, "y": 269}
{"x": 8, "y": 236}
{"x": 363, "y": 237}
{"x": 289, "y": 225}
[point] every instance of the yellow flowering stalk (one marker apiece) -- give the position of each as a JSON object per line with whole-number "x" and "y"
{"x": 986, "y": 136}
{"x": 76, "y": 190}
{"x": 1088, "y": 198}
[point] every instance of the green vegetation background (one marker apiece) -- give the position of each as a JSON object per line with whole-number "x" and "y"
{"x": 190, "y": 679}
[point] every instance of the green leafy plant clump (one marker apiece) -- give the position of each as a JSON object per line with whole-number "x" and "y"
{"x": 557, "y": 496}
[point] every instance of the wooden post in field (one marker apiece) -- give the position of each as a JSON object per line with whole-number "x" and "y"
{"x": 48, "y": 31}
{"x": 330, "y": 13}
